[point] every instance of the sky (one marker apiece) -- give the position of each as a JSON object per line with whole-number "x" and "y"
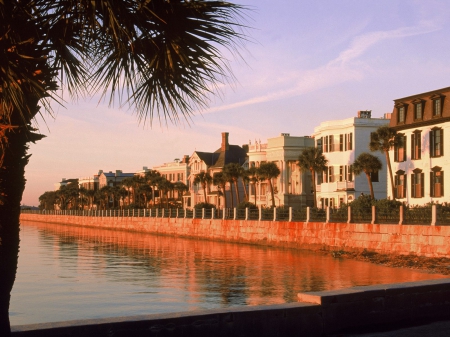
{"x": 306, "y": 62}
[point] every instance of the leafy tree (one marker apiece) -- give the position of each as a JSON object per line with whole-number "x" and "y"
{"x": 164, "y": 185}
{"x": 161, "y": 57}
{"x": 312, "y": 160}
{"x": 128, "y": 184}
{"x": 383, "y": 140}
{"x": 180, "y": 187}
{"x": 47, "y": 200}
{"x": 204, "y": 179}
{"x": 220, "y": 180}
{"x": 269, "y": 171}
{"x": 368, "y": 164}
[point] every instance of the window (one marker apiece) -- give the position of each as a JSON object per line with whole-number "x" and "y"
{"x": 325, "y": 144}
{"x": 400, "y": 150}
{"x": 416, "y": 144}
{"x": 438, "y": 101}
{"x": 350, "y": 141}
{"x": 330, "y": 174}
{"x": 341, "y": 143}
{"x": 417, "y": 184}
{"x": 349, "y": 173}
{"x": 436, "y": 142}
{"x": 401, "y": 113}
{"x": 418, "y": 109}
{"x": 331, "y": 146}
{"x": 400, "y": 185}
{"x": 436, "y": 182}
{"x": 341, "y": 173}
{"x": 374, "y": 177}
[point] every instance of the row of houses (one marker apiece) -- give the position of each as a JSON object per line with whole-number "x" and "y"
{"x": 418, "y": 164}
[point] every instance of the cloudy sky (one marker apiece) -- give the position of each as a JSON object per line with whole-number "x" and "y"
{"x": 309, "y": 61}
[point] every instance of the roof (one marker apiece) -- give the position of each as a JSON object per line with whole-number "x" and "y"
{"x": 234, "y": 154}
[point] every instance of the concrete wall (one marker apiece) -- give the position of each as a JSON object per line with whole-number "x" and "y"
{"x": 359, "y": 308}
{"x": 431, "y": 241}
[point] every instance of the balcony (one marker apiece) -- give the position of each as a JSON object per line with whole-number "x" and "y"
{"x": 336, "y": 186}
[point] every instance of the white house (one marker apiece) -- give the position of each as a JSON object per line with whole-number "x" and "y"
{"x": 341, "y": 142}
{"x": 419, "y": 164}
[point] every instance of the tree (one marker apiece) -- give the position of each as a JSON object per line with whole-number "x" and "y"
{"x": 152, "y": 178}
{"x": 47, "y": 200}
{"x": 254, "y": 178}
{"x": 368, "y": 164}
{"x": 220, "y": 180}
{"x": 234, "y": 171}
{"x": 180, "y": 187}
{"x": 312, "y": 160}
{"x": 160, "y": 57}
{"x": 204, "y": 179}
{"x": 269, "y": 171}
{"x": 383, "y": 140}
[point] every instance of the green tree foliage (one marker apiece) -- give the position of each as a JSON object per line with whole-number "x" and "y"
{"x": 269, "y": 171}
{"x": 367, "y": 163}
{"x": 312, "y": 160}
{"x": 383, "y": 140}
{"x": 47, "y": 200}
{"x": 204, "y": 179}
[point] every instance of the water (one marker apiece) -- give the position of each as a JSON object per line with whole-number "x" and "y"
{"x": 68, "y": 273}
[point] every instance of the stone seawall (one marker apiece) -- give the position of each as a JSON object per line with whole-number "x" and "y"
{"x": 430, "y": 241}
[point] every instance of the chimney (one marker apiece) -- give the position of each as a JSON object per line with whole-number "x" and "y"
{"x": 185, "y": 159}
{"x": 225, "y": 146}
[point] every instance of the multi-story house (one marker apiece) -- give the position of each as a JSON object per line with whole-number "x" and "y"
{"x": 341, "y": 142}
{"x": 419, "y": 163}
{"x": 292, "y": 187}
{"x": 91, "y": 182}
{"x": 176, "y": 171}
{"x": 113, "y": 178}
{"x": 212, "y": 162}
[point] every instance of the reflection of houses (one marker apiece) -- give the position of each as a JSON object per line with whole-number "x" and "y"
{"x": 292, "y": 188}
{"x": 113, "y": 178}
{"x": 418, "y": 166}
{"x": 212, "y": 162}
{"x": 176, "y": 171}
{"x": 342, "y": 141}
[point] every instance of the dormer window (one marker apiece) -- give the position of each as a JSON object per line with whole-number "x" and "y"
{"x": 438, "y": 102}
{"x": 401, "y": 113}
{"x": 418, "y": 109}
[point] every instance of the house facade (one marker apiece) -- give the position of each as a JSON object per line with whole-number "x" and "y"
{"x": 113, "y": 178}
{"x": 342, "y": 141}
{"x": 419, "y": 163}
{"x": 292, "y": 187}
{"x": 176, "y": 171}
{"x": 212, "y": 162}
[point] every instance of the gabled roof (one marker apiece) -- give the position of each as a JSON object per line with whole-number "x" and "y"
{"x": 234, "y": 154}
{"x": 208, "y": 157}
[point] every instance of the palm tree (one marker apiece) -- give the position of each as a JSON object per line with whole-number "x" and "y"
{"x": 204, "y": 179}
{"x": 152, "y": 178}
{"x": 233, "y": 171}
{"x": 254, "y": 178}
{"x": 220, "y": 180}
{"x": 368, "y": 164}
{"x": 180, "y": 187}
{"x": 128, "y": 184}
{"x": 312, "y": 160}
{"x": 383, "y": 140}
{"x": 269, "y": 171}
{"x": 161, "y": 57}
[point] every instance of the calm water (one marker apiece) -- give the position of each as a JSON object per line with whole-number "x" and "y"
{"x": 68, "y": 273}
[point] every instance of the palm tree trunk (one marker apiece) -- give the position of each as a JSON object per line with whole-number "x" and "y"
{"x": 370, "y": 186}
{"x": 204, "y": 192}
{"x": 313, "y": 174}
{"x": 271, "y": 192}
{"x": 390, "y": 174}
{"x": 12, "y": 185}
{"x": 237, "y": 192}
{"x": 232, "y": 197}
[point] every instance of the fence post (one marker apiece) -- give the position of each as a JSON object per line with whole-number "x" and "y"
{"x": 434, "y": 218}
{"x": 260, "y": 213}
{"x": 163, "y": 213}
{"x": 203, "y": 213}
{"x": 327, "y": 220}
{"x": 177, "y": 212}
{"x": 193, "y": 213}
{"x": 349, "y": 214}
{"x": 246, "y": 213}
{"x": 374, "y": 215}
{"x": 234, "y": 213}
{"x": 401, "y": 215}
{"x": 224, "y": 214}
{"x": 290, "y": 214}
{"x": 274, "y": 214}
{"x": 308, "y": 214}
{"x": 213, "y": 213}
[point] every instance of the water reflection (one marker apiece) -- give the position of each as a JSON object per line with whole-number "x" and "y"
{"x": 68, "y": 272}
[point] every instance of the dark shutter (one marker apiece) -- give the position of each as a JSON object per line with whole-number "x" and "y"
{"x": 412, "y": 146}
{"x": 442, "y": 143}
{"x": 413, "y": 186}
{"x": 442, "y": 182}
{"x": 404, "y": 185}
{"x": 432, "y": 184}
{"x": 422, "y": 186}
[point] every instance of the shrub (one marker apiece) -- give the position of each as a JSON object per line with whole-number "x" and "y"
{"x": 247, "y": 204}
{"x": 205, "y": 205}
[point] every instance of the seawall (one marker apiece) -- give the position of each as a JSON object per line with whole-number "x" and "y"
{"x": 317, "y": 314}
{"x": 430, "y": 241}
